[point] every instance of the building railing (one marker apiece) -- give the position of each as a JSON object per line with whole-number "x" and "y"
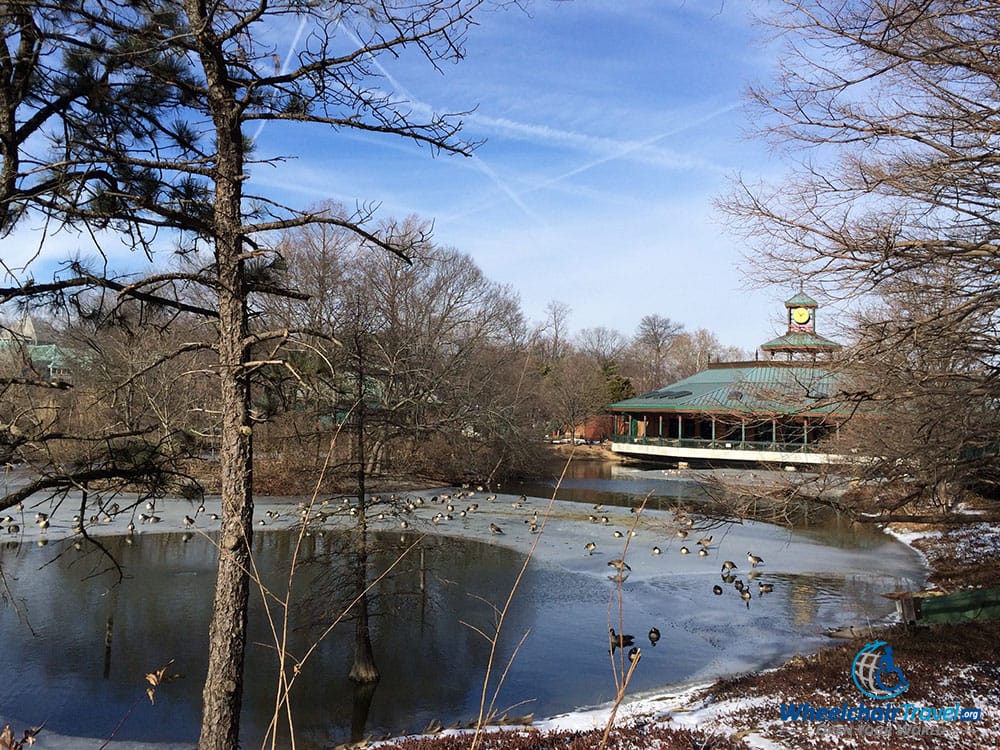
{"x": 736, "y": 445}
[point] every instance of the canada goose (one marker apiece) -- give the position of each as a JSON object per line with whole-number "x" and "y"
{"x": 656, "y": 550}
{"x": 681, "y": 534}
{"x": 728, "y": 565}
{"x": 404, "y": 525}
{"x": 619, "y": 564}
{"x": 619, "y": 641}
{"x": 765, "y": 588}
{"x": 618, "y": 534}
{"x": 605, "y": 519}
{"x": 633, "y": 654}
{"x": 13, "y": 528}
{"x": 705, "y": 541}
{"x": 533, "y": 528}
{"x": 590, "y": 547}
{"x": 39, "y": 517}
{"x": 685, "y": 551}
{"x": 717, "y": 590}
{"x": 214, "y": 516}
{"x": 188, "y": 521}
{"x": 494, "y": 529}
{"x": 599, "y": 507}
{"x": 592, "y": 518}
{"x": 451, "y": 508}
{"x": 703, "y": 552}
{"x": 130, "y": 528}
{"x": 491, "y": 498}
{"x": 516, "y": 504}
{"x": 654, "y": 636}
{"x": 754, "y": 560}
{"x": 745, "y": 595}
{"x": 739, "y": 585}
{"x": 43, "y": 524}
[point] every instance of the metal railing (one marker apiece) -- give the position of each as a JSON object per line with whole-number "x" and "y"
{"x": 736, "y": 445}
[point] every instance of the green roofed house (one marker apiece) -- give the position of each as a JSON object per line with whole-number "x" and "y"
{"x": 774, "y": 410}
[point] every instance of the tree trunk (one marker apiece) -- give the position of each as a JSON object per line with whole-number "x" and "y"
{"x": 363, "y": 670}
{"x": 223, "y": 692}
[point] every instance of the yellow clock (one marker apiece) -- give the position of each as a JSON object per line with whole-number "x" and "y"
{"x": 800, "y": 315}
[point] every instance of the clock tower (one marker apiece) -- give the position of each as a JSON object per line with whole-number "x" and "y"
{"x": 801, "y": 339}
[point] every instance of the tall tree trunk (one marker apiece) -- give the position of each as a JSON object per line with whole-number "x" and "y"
{"x": 223, "y": 691}
{"x": 363, "y": 670}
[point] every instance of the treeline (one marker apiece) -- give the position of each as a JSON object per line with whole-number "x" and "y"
{"x": 422, "y": 370}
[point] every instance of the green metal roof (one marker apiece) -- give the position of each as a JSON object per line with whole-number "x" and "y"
{"x": 743, "y": 388}
{"x": 801, "y": 340}
{"x": 801, "y": 300}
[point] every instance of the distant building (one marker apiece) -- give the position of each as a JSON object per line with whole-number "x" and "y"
{"x": 29, "y": 351}
{"x": 775, "y": 410}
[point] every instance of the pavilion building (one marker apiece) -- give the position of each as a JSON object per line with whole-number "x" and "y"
{"x": 772, "y": 410}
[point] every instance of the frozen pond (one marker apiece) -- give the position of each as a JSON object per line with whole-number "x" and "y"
{"x": 59, "y": 605}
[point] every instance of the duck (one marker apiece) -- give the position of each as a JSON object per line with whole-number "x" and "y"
{"x": 494, "y": 529}
{"x": 654, "y": 635}
{"x": 619, "y": 641}
{"x": 754, "y": 560}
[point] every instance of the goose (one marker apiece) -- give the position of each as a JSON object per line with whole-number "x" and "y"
{"x": 403, "y": 524}
{"x": 656, "y": 551}
{"x": 764, "y": 588}
{"x": 494, "y": 529}
{"x": 728, "y": 565}
{"x": 633, "y": 654}
{"x": 619, "y": 565}
{"x": 618, "y": 534}
{"x": 717, "y": 590}
{"x": 754, "y": 560}
{"x": 739, "y": 585}
{"x": 745, "y": 595}
{"x": 705, "y": 541}
{"x": 605, "y": 519}
{"x": 599, "y": 507}
{"x": 592, "y": 518}
{"x": 685, "y": 551}
{"x": 619, "y": 641}
{"x": 654, "y": 636}
{"x": 590, "y": 547}
{"x": 681, "y": 534}
{"x": 188, "y": 521}
{"x": 703, "y": 552}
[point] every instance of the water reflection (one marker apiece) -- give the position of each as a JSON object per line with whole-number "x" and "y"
{"x": 428, "y": 618}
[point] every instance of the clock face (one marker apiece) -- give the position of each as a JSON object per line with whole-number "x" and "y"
{"x": 800, "y": 315}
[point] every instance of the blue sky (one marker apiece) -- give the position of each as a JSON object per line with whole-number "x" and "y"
{"x": 611, "y": 126}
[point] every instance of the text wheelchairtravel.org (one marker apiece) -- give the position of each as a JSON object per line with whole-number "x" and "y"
{"x": 881, "y": 713}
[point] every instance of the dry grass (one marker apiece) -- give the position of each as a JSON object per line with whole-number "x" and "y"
{"x": 642, "y": 735}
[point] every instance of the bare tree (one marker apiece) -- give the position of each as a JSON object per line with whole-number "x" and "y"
{"x": 650, "y": 352}
{"x": 152, "y": 138}
{"x": 891, "y": 108}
